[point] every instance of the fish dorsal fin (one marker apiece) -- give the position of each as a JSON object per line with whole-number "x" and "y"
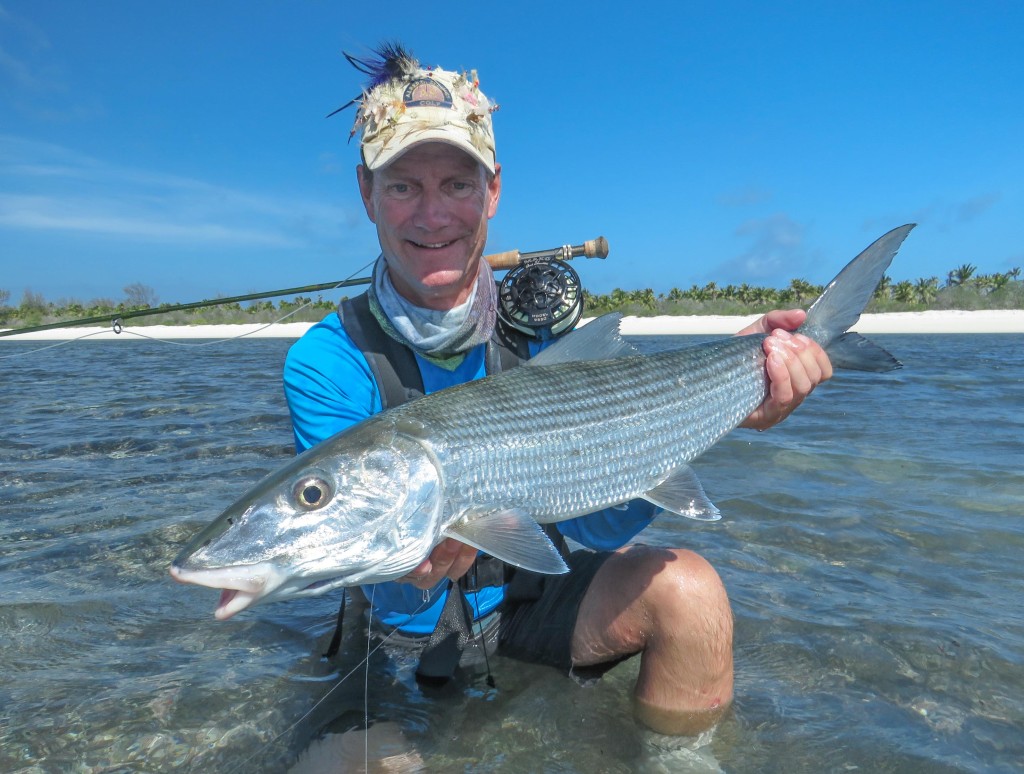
{"x": 599, "y": 339}
{"x": 682, "y": 493}
{"x": 512, "y": 536}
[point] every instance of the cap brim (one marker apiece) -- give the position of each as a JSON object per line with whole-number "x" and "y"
{"x": 377, "y": 155}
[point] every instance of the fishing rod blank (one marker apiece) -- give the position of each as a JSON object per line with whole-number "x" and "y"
{"x": 592, "y": 248}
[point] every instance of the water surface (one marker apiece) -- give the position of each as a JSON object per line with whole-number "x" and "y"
{"x": 872, "y": 547}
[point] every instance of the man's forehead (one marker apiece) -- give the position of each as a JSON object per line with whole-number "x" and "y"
{"x": 431, "y": 156}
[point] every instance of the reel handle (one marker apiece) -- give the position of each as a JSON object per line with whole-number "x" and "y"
{"x": 592, "y": 248}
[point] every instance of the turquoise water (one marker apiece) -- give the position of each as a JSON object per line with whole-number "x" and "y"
{"x": 873, "y": 548}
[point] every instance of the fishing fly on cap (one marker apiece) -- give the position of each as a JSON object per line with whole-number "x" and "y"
{"x": 404, "y": 104}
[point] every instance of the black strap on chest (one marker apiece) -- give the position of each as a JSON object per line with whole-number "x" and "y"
{"x": 394, "y": 365}
{"x": 399, "y": 380}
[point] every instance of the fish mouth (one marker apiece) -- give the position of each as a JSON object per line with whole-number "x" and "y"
{"x": 240, "y": 587}
{"x": 232, "y": 601}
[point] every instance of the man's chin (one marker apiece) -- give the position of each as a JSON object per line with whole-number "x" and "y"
{"x": 443, "y": 288}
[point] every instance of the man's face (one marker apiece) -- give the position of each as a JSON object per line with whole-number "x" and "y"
{"x": 431, "y": 206}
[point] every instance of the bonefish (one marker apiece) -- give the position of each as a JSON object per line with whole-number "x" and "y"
{"x": 588, "y": 423}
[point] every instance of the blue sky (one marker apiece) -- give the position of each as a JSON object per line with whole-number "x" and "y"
{"x": 184, "y": 145}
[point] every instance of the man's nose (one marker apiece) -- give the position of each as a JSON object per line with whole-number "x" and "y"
{"x": 434, "y": 210}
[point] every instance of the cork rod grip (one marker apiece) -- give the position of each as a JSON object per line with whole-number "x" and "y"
{"x": 592, "y": 248}
{"x": 506, "y": 260}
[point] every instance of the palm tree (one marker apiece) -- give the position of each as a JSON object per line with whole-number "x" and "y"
{"x": 695, "y": 293}
{"x": 961, "y": 274}
{"x": 999, "y": 281}
{"x": 802, "y": 289}
{"x": 644, "y": 298}
{"x": 927, "y": 289}
{"x": 619, "y": 298}
{"x": 884, "y": 289}
{"x": 903, "y": 292}
{"x": 763, "y": 295}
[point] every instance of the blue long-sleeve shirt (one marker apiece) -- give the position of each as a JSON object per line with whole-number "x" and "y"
{"x": 329, "y": 387}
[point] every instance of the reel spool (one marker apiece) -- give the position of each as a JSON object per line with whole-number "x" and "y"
{"x": 541, "y": 297}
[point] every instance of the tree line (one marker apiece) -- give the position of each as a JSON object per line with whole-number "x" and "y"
{"x": 963, "y": 288}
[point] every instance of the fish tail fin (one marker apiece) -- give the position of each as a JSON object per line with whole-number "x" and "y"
{"x": 840, "y": 306}
{"x": 853, "y": 351}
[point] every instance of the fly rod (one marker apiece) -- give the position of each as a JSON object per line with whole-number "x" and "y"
{"x": 592, "y": 248}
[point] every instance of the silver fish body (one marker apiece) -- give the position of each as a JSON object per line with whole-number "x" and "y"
{"x": 585, "y": 425}
{"x": 560, "y": 441}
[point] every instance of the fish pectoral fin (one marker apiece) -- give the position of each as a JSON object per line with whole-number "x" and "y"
{"x": 511, "y": 536}
{"x": 597, "y": 340}
{"x": 682, "y": 493}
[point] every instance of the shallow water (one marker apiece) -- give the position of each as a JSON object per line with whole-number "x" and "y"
{"x": 872, "y": 547}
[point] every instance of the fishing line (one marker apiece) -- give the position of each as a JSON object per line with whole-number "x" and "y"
{"x": 366, "y": 660}
{"x": 51, "y": 346}
{"x": 483, "y": 641}
{"x": 118, "y": 328}
{"x": 366, "y": 686}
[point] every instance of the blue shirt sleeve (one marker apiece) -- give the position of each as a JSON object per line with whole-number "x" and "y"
{"x": 327, "y": 383}
{"x": 611, "y": 528}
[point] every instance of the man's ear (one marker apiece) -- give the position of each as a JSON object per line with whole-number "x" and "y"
{"x": 365, "y": 179}
{"x": 493, "y": 191}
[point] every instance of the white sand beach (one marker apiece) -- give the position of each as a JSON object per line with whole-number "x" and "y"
{"x": 950, "y": 321}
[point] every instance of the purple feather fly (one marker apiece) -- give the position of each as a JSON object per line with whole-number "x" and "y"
{"x": 390, "y": 61}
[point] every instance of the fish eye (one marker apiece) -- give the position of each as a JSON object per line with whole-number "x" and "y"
{"x": 311, "y": 492}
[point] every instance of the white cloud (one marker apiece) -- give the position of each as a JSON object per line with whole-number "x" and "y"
{"x": 25, "y": 64}
{"x": 95, "y": 217}
{"x": 776, "y": 254}
{"x": 49, "y": 187}
{"x": 971, "y": 208}
{"x": 941, "y": 215}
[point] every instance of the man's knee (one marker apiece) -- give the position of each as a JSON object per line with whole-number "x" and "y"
{"x": 687, "y": 599}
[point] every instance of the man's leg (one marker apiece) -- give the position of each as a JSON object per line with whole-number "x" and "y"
{"x": 670, "y": 606}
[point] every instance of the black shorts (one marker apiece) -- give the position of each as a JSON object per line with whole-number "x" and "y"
{"x": 539, "y": 614}
{"x": 534, "y": 623}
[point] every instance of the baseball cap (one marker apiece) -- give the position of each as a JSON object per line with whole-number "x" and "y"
{"x": 405, "y": 104}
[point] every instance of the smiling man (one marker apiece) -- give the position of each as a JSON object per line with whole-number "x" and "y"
{"x": 431, "y": 206}
{"x": 430, "y": 182}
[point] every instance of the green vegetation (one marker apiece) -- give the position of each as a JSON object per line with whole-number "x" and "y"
{"x": 963, "y": 288}
{"x": 35, "y": 310}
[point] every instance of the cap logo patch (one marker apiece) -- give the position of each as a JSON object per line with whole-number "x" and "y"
{"x": 426, "y": 92}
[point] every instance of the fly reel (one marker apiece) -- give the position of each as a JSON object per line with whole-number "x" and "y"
{"x": 541, "y": 297}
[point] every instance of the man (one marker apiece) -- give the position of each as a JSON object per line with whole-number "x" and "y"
{"x": 430, "y": 182}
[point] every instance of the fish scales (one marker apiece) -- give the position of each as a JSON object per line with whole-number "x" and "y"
{"x": 558, "y": 441}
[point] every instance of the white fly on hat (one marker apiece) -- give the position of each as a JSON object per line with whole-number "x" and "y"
{"x": 406, "y": 104}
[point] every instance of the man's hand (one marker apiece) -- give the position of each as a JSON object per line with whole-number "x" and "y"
{"x": 449, "y": 559}
{"x": 796, "y": 365}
